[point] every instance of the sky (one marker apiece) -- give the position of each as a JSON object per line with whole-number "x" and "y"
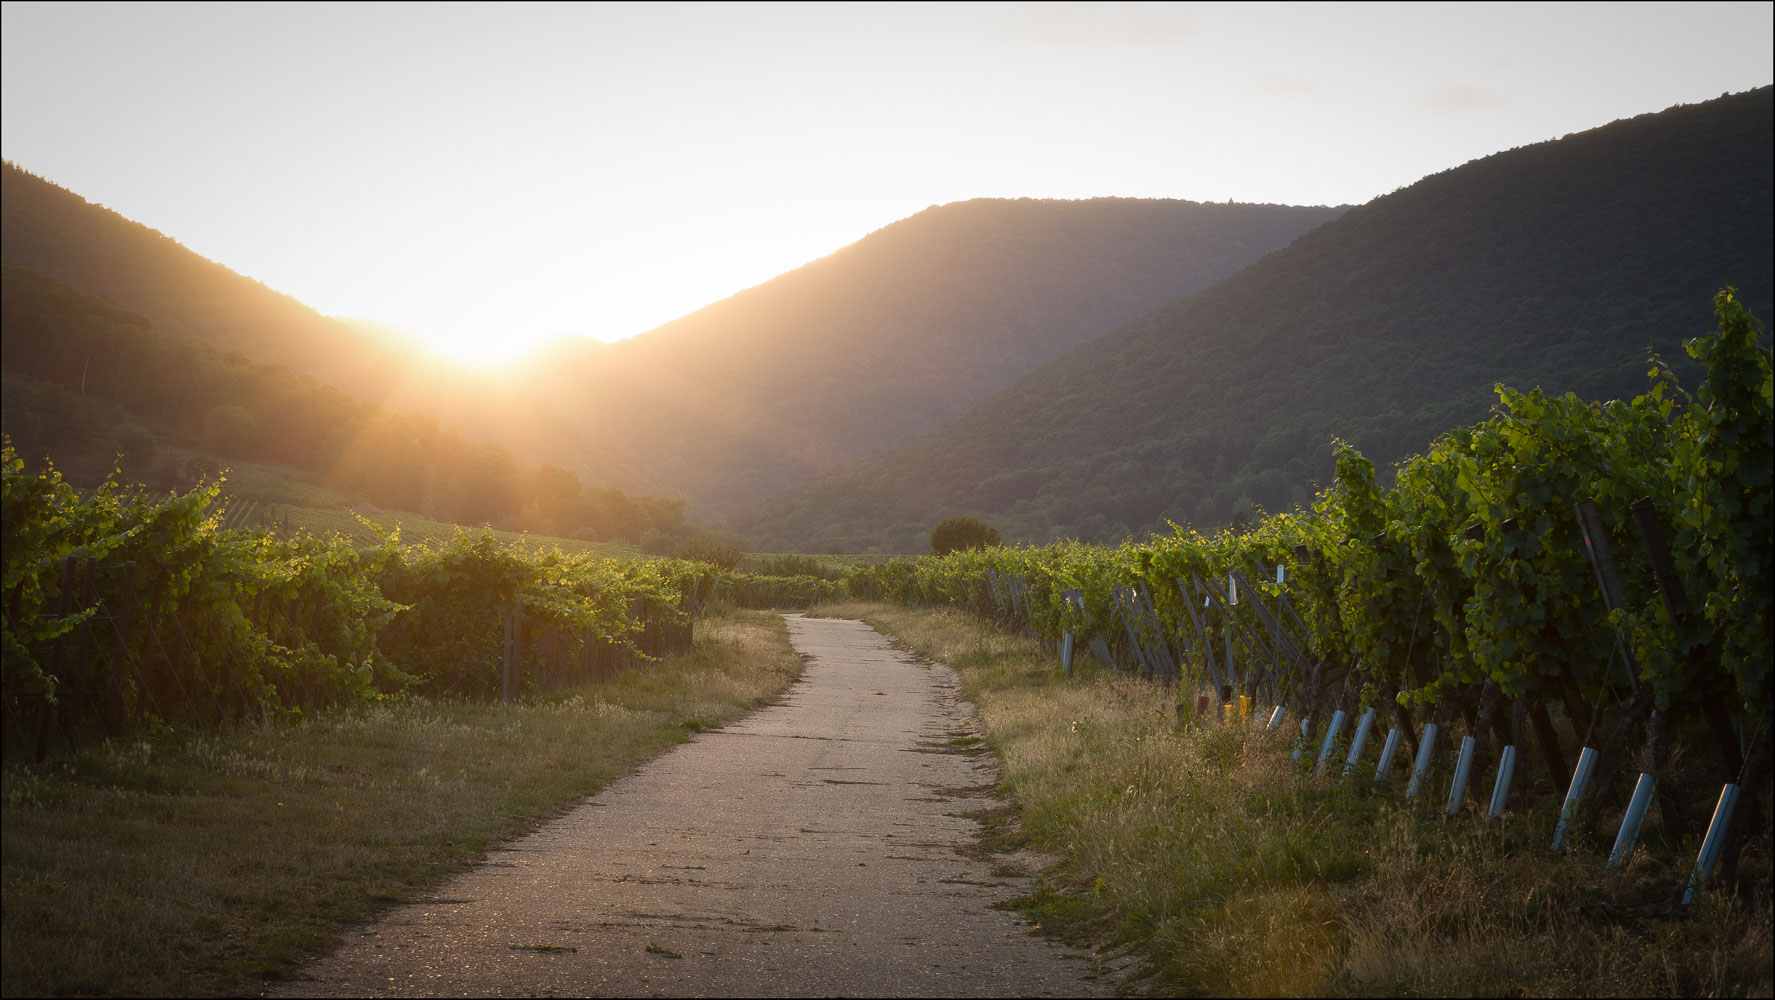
{"x": 488, "y": 176}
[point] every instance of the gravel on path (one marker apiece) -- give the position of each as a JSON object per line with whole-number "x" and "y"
{"x": 822, "y": 846}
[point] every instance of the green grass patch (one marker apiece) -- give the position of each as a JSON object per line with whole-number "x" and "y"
{"x": 1232, "y": 871}
{"x": 200, "y": 864}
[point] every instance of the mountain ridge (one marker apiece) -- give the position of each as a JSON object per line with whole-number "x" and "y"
{"x": 1558, "y": 263}
{"x": 847, "y": 354}
{"x": 857, "y": 350}
{"x": 51, "y": 229}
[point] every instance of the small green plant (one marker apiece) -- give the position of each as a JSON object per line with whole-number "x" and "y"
{"x": 654, "y": 949}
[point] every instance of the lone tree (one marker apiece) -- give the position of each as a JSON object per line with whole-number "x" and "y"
{"x": 956, "y": 533}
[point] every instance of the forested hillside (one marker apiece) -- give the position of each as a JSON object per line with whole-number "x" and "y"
{"x": 855, "y": 352}
{"x": 47, "y": 228}
{"x": 865, "y": 348}
{"x": 50, "y": 229}
{"x": 1558, "y": 265}
{"x": 86, "y": 381}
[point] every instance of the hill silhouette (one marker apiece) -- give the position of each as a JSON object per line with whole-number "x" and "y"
{"x": 49, "y": 229}
{"x": 916, "y": 322}
{"x": 1559, "y": 265}
{"x": 849, "y": 354}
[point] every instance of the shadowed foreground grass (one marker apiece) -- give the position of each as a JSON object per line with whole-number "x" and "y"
{"x": 1205, "y": 849}
{"x": 183, "y": 864}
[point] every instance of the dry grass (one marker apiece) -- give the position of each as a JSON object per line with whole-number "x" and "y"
{"x": 1232, "y": 871}
{"x": 183, "y": 864}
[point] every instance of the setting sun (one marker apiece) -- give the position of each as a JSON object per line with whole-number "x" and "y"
{"x": 600, "y": 170}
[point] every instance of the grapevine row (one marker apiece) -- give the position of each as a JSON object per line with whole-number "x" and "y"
{"x": 1605, "y": 564}
{"x": 123, "y": 609}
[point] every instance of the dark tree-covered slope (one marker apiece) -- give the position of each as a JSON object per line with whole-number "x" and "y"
{"x": 919, "y": 321}
{"x": 1558, "y": 265}
{"x": 53, "y": 230}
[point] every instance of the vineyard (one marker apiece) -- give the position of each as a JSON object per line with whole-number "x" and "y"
{"x": 1596, "y": 576}
{"x": 1557, "y": 598}
{"x": 125, "y": 609}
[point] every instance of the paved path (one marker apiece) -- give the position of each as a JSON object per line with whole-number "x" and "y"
{"x": 809, "y": 849}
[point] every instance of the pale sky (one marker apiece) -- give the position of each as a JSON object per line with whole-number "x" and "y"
{"x": 499, "y": 174}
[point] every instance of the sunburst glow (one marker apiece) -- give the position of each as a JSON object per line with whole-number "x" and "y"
{"x": 493, "y": 177}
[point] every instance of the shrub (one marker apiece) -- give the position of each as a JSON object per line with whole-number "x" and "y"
{"x": 954, "y": 534}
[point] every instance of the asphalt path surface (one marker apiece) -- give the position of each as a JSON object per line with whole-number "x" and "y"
{"x": 823, "y": 846}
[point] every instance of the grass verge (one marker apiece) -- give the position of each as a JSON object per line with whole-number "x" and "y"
{"x": 1205, "y": 849}
{"x": 193, "y": 865}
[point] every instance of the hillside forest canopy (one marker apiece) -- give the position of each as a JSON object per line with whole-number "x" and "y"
{"x": 1565, "y": 266}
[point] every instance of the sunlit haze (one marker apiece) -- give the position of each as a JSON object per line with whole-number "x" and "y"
{"x": 492, "y": 176}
